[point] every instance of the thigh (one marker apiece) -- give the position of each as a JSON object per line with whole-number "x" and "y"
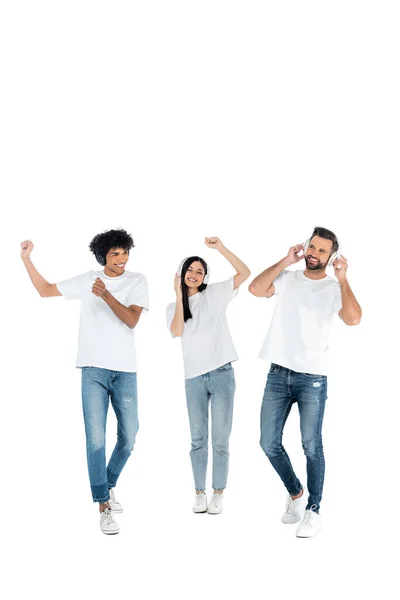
{"x": 95, "y": 399}
{"x": 311, "y": 394}
{"x": 276, "y": 404}
{"x": 197, "y": 400}
{"x": 222, "y": 387}
{"x": 124, "y": 399}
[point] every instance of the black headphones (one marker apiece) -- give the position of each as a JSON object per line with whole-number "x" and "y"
{"x": 100, "y": 259}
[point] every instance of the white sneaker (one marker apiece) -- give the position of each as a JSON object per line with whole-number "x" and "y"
{"x": 200, "y": 503}
{"x": 310, "y": 525}
{"x": 107, "y": 523}
{"x": 292, "y": 513}
{"x": 215, "y": 506}
{"x": 115, "y": 505}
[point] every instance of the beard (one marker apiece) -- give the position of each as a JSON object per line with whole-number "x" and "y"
{"x": 315, "y": 266}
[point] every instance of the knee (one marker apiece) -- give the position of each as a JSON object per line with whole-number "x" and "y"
{"x": 95, "y": 442}
{"x": 270, "y": 448}
{"x": 199, "y": 441}
{"x": 312, "y": 447}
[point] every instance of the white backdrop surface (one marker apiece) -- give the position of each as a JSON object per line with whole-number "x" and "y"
{"x": 251, "y": 121}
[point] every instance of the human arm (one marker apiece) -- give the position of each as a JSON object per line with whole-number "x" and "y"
{"x": 350, "y": 313}
{"x": 242, "y": 271}
{"x": 262, "y": 286}
{"x": 127, "y": 314}
{"x": 177, "y": 323}
{"x": 45, "y": 289}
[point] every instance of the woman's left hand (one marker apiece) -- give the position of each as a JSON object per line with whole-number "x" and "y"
{"x": 213, "y": 242}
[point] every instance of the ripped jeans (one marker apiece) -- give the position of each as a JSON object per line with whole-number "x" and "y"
{"x": 99, "y": 386}
{"x": 283, "y": 388}
{"x": 216, "y": 388}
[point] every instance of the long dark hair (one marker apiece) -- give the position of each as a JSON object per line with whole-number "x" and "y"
{"x": 185, "y": 299}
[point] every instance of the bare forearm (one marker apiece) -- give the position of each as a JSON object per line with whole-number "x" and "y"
{"x": 260, "y": 285}
{"x": 178, "y": 322}
{"x": 350, "y": 312}
{"x": 236, "y": 263}
{"x": 39, "y": 282}
{"x": 125, "y": 314}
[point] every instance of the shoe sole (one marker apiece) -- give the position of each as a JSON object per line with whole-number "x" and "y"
{"x": 110, "y": 532}
{"x": 199, "y": 512}
{"x": 117, "y": 511}
{"x": 291, "y": 522}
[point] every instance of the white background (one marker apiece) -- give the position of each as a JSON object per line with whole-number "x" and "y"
{"x": 252, "y": 121}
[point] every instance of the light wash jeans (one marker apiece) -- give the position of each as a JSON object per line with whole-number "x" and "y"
{"x": 216, "y": 388}
{"x": 99, "y": 386}
{"x": 283, "y": 388}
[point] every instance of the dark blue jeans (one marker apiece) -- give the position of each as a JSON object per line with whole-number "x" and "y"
{"x": 99, "y": 386}
{"x": 283, "y": 388}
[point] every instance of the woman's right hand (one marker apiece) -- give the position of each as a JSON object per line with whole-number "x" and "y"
{"x": 26, "y": 249}
{"x": 178, "y": 286}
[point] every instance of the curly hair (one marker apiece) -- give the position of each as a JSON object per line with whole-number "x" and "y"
{"x": 114, "y": 238}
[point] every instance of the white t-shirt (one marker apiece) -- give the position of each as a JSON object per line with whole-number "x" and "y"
{"x": 104, "y": 340}
{"x": 206, "y": 341}
{"x": 298, "y": 335}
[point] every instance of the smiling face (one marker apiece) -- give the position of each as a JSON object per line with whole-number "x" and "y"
{"x": 194, "y": 275}
{"x": 318, "y": 253}
{"x": 116, "y": 259}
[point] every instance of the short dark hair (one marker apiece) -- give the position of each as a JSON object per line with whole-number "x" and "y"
{"x": 327, "y": 235}
{"x": 114, "y": 238}
{"x": 185, "y": 300}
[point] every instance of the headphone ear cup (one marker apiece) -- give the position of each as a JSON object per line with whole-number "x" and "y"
{"x": 305, "y": 246}
{"x": 334, "y": 257}
{"x": 100, "y": 260}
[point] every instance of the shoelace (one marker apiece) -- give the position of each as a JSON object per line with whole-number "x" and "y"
{"x": 216, "y": 499}
{"x": 290, "y": 505}
{"x": 108, "y": 516}
{"x": 200, "y": 499}
{"x": 307, "y": 519}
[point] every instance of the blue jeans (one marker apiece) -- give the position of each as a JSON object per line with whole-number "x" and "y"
{"x": 218, "y": 389}
{"x": 283, "y": 388}
{"x": 98, "y": 387}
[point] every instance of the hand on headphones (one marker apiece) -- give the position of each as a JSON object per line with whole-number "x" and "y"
{"x": 340, "y": 265}
{"x": 213, "y": 242}
{"x": 293, "y": 254}
{"x": 178, "y": 286}
{"x": 99, "y": 288}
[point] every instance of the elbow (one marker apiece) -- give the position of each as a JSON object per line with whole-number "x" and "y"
{"x": 356, "y": 321}
{"x": 253, "y": 289}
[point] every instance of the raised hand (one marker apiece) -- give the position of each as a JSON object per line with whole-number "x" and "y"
{"x": 99, "y": 288}
{"x": 293, "y": 254}
{"x": 26, "y": 249}
{"x": 213, "y": 242}
{"x": 178, "y": 286}
{"x": 340, "y": 265}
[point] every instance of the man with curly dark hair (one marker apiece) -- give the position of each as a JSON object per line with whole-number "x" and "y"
{"x": 112, "y": 302}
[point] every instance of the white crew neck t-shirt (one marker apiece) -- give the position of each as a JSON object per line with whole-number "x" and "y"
{"x": 206, "y": 341}
{"x": 104, "y": 340}
{"x": 298, "y": 335}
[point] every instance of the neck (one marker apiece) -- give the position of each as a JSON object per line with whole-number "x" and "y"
{"x": 192, "y": 291}
{"x": 320, "y": 274}
{"x": 110, "y": 273}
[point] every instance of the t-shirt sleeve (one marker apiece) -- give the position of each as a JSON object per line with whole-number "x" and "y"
{"x": 139, "y": 292}
{"x": 223, "y": 291}
{"x": 279, "y": 281}
{"x": 74, "y": 288}
{"x": 337, "y": 299}
{"x": 170, "y": 315}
